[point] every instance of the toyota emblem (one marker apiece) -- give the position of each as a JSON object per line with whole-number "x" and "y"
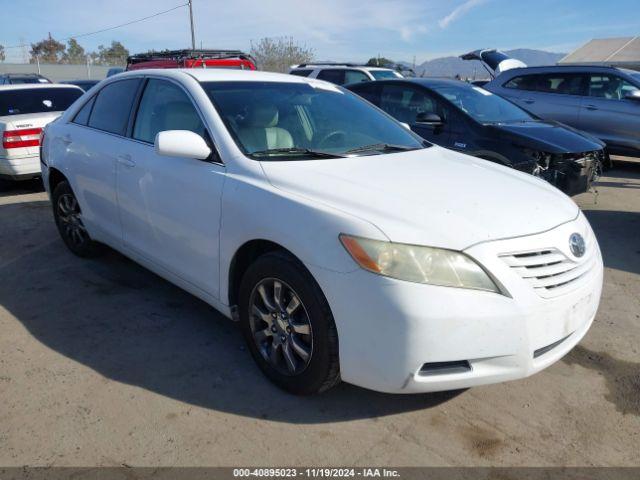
{"x": 576, "y": 244}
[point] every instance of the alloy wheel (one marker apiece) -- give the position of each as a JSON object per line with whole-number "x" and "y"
{"x": 71, "y": 219}
{"x": 280, "y": 326}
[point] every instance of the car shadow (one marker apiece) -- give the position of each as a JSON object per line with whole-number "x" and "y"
{"x": 131, "y": 326}
{"x": 618, "y": 234}
{"x": 10, "y": 188}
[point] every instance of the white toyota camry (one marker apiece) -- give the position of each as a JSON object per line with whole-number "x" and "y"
{"x": 346, "y": 246}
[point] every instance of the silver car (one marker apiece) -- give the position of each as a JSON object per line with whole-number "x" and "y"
{"x": 603, "y": 101}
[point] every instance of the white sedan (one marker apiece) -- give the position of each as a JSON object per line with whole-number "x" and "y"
{"x": 346, "y": 246}
{"x": 24, "y": 110}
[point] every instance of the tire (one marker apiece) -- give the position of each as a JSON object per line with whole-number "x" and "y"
{"x": 68, "y": 218}
{"x": 279, "y": 333}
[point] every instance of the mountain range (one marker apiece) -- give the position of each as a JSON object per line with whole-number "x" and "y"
{"x": 451, "y": 66}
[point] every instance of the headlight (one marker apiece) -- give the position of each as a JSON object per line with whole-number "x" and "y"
{"x": 414, "y": 263}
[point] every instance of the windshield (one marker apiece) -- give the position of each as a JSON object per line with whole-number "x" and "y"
{"x": 35, "y": 100}
{"x": 276, "y": 120}
{"x": 482, "y": 105}
{"x": 384, "y": 74}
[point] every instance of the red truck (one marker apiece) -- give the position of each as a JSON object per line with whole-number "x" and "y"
{"x": 192, "y": 59}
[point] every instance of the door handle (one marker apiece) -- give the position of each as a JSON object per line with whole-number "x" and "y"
{"x": 591, "y": 107}
{"x": 126, "y": 160}
{"x": 529, "y": 101}
{"x": 67, "y": 139}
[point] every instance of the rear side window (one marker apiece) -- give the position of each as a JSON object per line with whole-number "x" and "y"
{"x": 301, "y": 73}
{"x": 82, "y": 117}
{"x": 113, "y": 105}
{"x": 165, "y": 106}
{"x": 332, "y": 75}
{"x": 36, "y": 100}
{"x": 354, "y": 76}
{"x": 525, "y": 82}
{"x": 563, "y": 83}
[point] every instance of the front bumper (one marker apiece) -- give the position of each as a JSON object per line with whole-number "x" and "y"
{"x": 19, "y": 168}
{"x": 389, "y": 329}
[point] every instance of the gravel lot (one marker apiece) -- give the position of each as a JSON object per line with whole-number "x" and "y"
{"x": 104, "y": 363}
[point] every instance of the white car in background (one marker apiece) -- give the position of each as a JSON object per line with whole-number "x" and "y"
{"x": 346, "y": 246}
{"x": 24, "y": 110}
{"x": 343, "y": 73}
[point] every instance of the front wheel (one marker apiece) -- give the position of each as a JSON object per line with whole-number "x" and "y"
{"x": 68, "y": 218}
{"x": 288, "y": 326}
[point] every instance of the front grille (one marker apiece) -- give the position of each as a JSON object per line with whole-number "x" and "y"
{"x": 549, "y": 271}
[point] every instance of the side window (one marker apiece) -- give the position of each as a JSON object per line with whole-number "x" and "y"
{"x": 112, "y": 106}
{"x": 82, "y": 117}
{"x": 354, "y": 76}
{"x": 301, "y": 73}
{"x": 405, "y": 103}
{"x": 563, "y": 83}
{"x": 370, "y": 92}
{"x": 609, "y": 86}
{"x": 525, "y": 82}
{"x": 165, "y": 106}
{"x": 332, "y": 75}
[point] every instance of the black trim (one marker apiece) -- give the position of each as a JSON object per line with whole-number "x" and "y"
{"x": 541, "y": 351}
{"x": 445, "y": 368}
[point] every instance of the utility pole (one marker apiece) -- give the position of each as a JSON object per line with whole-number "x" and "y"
{"x": 193, "y": 35}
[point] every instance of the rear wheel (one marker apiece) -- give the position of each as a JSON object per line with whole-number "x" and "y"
{"x": 68, "y": 217}
{"x": 288, "y": 325}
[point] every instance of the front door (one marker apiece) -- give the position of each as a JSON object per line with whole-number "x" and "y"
{"x": 406, "y": 102}
{"x": 169, "y": 206}
{"x": 608, "y": 115}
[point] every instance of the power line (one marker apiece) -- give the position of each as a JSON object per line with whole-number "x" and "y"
{"x": 114, "y": 27}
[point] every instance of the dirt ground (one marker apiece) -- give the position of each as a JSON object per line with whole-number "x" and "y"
{"x": 103, "y": 363}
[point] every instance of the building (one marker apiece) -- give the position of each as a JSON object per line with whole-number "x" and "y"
{"x": 623, "y": 52}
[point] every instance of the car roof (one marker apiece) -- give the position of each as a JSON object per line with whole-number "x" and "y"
{"x": 423, "y": 81}
{"x": 565, "y": 68}
{"x": 30, "y": 86}
{"x": 337, "y": 66}
{"x": 217, "y": 75}
{"x": 19, "y": 75}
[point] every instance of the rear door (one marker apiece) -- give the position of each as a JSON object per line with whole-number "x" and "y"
{"x": 95, "y": 140}
{"x": 170, "y": 206}
{"x": 607, "y": 114}
{"x": 551, "y": 96}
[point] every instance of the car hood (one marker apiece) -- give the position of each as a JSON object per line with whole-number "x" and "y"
{"x": 547, "y": 136}
{"x": 433, "y": 196}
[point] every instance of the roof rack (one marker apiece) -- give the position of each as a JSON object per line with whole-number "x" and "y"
{"x": 187, "y": 54}
{"x": 332, "y": 64}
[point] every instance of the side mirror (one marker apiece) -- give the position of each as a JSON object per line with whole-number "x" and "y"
{"x": 634, "y": 95}
{"x": 181, "y": 143}
{"x": 431, "y": 119}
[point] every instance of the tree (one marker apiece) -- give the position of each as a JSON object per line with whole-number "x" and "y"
{"x": 277, "y": 54}
{"x": 381, "y": 62}
{"x": 2, "y": 56}
{"x": 48, "y": 50}
{"x": 75, "y": 53}
{"x": 116, "y": 54}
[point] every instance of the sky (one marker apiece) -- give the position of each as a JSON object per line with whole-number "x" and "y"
{"x": 342, "y": 30}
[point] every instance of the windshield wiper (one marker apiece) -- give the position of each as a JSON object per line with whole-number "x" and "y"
{"x": 295, "y": 151}
{"x": 381, "y": 147}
